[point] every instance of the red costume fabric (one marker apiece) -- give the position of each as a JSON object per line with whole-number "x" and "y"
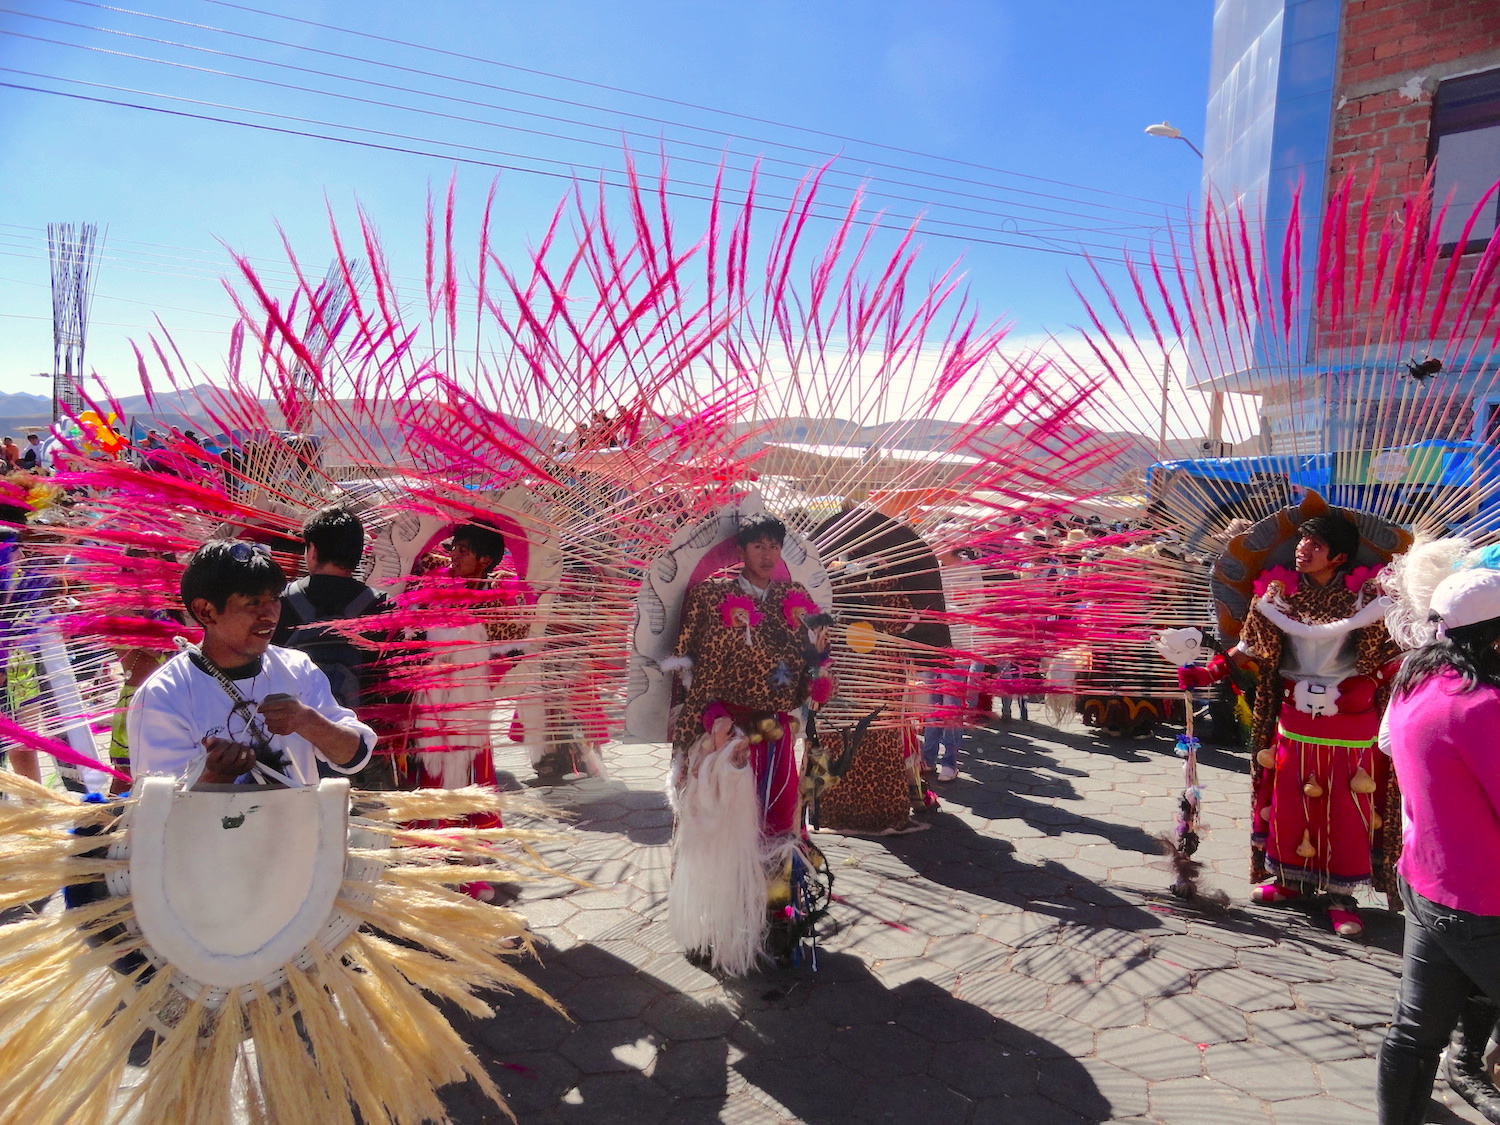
{"x": 1317, "y": 714}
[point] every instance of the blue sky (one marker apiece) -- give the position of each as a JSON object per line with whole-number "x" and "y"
{"x": 1044, "y": 105}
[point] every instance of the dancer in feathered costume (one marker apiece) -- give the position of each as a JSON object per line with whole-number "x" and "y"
{"x": 750, "y": 656}
{"x": 1317, "y": 632}
{"x": 1279, "y": 371}
{"x": 887, "y": 594}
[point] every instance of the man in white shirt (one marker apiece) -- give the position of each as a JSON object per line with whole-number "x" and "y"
{"x": 236, "y": 700}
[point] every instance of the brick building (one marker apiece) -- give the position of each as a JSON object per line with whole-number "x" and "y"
{"x": 1311, "y": 97}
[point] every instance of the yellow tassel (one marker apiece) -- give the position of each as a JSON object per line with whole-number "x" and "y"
{"x": 1266, "y": 760}
{"x": 1311, "y": 788}
{"x": 1362, "y": 782}
{"x": 1306, "y": 849}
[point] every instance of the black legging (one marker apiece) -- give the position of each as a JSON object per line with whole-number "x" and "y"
{"x": 1447, "y": 953}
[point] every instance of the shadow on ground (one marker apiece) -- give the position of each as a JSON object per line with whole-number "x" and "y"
{"x": 833, "y": 1047}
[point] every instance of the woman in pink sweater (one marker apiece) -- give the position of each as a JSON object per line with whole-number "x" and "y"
{"x": 1440, "y": 731}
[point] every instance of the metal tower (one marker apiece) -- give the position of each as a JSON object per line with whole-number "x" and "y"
{"x": 328, "y": 313}
{"x": 74, "y": 253}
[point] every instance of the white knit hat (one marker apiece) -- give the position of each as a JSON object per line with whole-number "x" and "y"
{"x": 1467, "y": 597}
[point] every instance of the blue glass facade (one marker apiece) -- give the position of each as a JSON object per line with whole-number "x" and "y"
{"x": 1270, "y": 116}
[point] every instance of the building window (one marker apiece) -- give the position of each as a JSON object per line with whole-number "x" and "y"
{"x": 1465, "y": 150}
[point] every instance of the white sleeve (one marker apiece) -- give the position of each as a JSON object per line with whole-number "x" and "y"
{"x": 316, "y": 692}
{"x": 1383, "y": 739}
{"x": 162, "y": 736}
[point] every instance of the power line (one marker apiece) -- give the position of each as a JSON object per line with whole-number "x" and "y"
{"x": 466, "y": 160}
{"x": 1116, "y": 224}
{"x": 638, "y": 94}
{"x": 819, "y": 154}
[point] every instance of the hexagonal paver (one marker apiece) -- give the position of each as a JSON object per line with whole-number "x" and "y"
{"x": 597, "y": 959}
{"x": 1283, "y": 964}
{"x": 677, "y": 1018}
{"x": 1055, "y": 964}
{"x": 1350, "y": 1080}
{"x": 616, "y": 1097}
{"x": 1244, "y": 990}
{"x": 1046, "y": 1033}
{"x": 967, "y": 952}
{"x": 617, "y": 999}
{"x": 1152, "y": 1054}
{"x": 676, "y": 973}
{"x": 1319, "y": 1111}
{"x": 982, "y": 1068}
{"x": 1347, "y": 1003}
{"x": 1146, "y": 976}
{"x": 915, "y": 1098}
{"x": 598, "y": 925}
{"x": 741, "y": 1109}
{"x": 1099, "y": 1006}
{"x": 783, "y": 1033}
{"x": 1014, "y": 927}
{"x": 606, "y": 1048}
{"x": 547, "y": 912}
{"x": 1204, "y": 1100}
{"x": 877, "y": 1050}
{"x": 882, "y": 942}
{"x": 1307, "y": 1035}
{"x": 1372, "y": 975}
{"x": 1198, "y": 1019}
{"x": 1028, "y": 1109}
{"x": 826, "y": 1092}
{"x": 845, "y": 1004}
{"x": 1002, "y": 994}
{"x": 695, "y": 1069}
{"x": 1124, "y": 1094}
{"x": 1194, "y": 953}
{"x": 1261, "y": 1070}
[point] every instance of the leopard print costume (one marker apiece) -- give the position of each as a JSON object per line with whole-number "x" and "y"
{"x": 769, "y": 673}
{"x": 875, "y": 796}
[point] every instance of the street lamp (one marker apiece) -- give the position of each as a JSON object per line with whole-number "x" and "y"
{"x": 1172, "y": 133}
{"x": 1216, "y": 400}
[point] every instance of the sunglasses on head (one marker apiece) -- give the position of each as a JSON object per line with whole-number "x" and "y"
{"x": 241, "y": 552}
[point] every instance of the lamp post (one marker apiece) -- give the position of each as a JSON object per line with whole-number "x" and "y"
{"x": 1172, "y": 133}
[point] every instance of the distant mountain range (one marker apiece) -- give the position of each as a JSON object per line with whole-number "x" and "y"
{"x": 20, "y": 413}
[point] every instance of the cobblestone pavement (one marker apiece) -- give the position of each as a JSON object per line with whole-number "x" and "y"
{"x": 1019, "y": 963}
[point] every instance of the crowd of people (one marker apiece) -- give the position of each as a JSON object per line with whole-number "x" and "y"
{"x": 1371, "y": 768}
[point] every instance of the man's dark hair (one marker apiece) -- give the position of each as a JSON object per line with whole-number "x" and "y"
{"x": 485, "y": 541}
{"x": 222, "y": 568}
{"x": 337, "y": 535}
{"x": 1336, "y": 533}
{"x": 766, "y": 527}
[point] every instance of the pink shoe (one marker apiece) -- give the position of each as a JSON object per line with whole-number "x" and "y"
{"x": 483, "y": 892}
{"x": 1346, "y": 923}
{"x": 1273, "y": 893}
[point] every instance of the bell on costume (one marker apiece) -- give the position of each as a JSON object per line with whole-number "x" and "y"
{"x": 1362, "y": 782}
{"x": 1306, "y": 849}
{"x": 1266, "y": 760}
{"x": 1311, "y": 788}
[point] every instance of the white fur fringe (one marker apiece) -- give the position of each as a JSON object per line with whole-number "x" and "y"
{"x": 717, "y": 902}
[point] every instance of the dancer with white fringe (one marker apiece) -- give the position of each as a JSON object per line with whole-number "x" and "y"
{"x": 749, "y": 656}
